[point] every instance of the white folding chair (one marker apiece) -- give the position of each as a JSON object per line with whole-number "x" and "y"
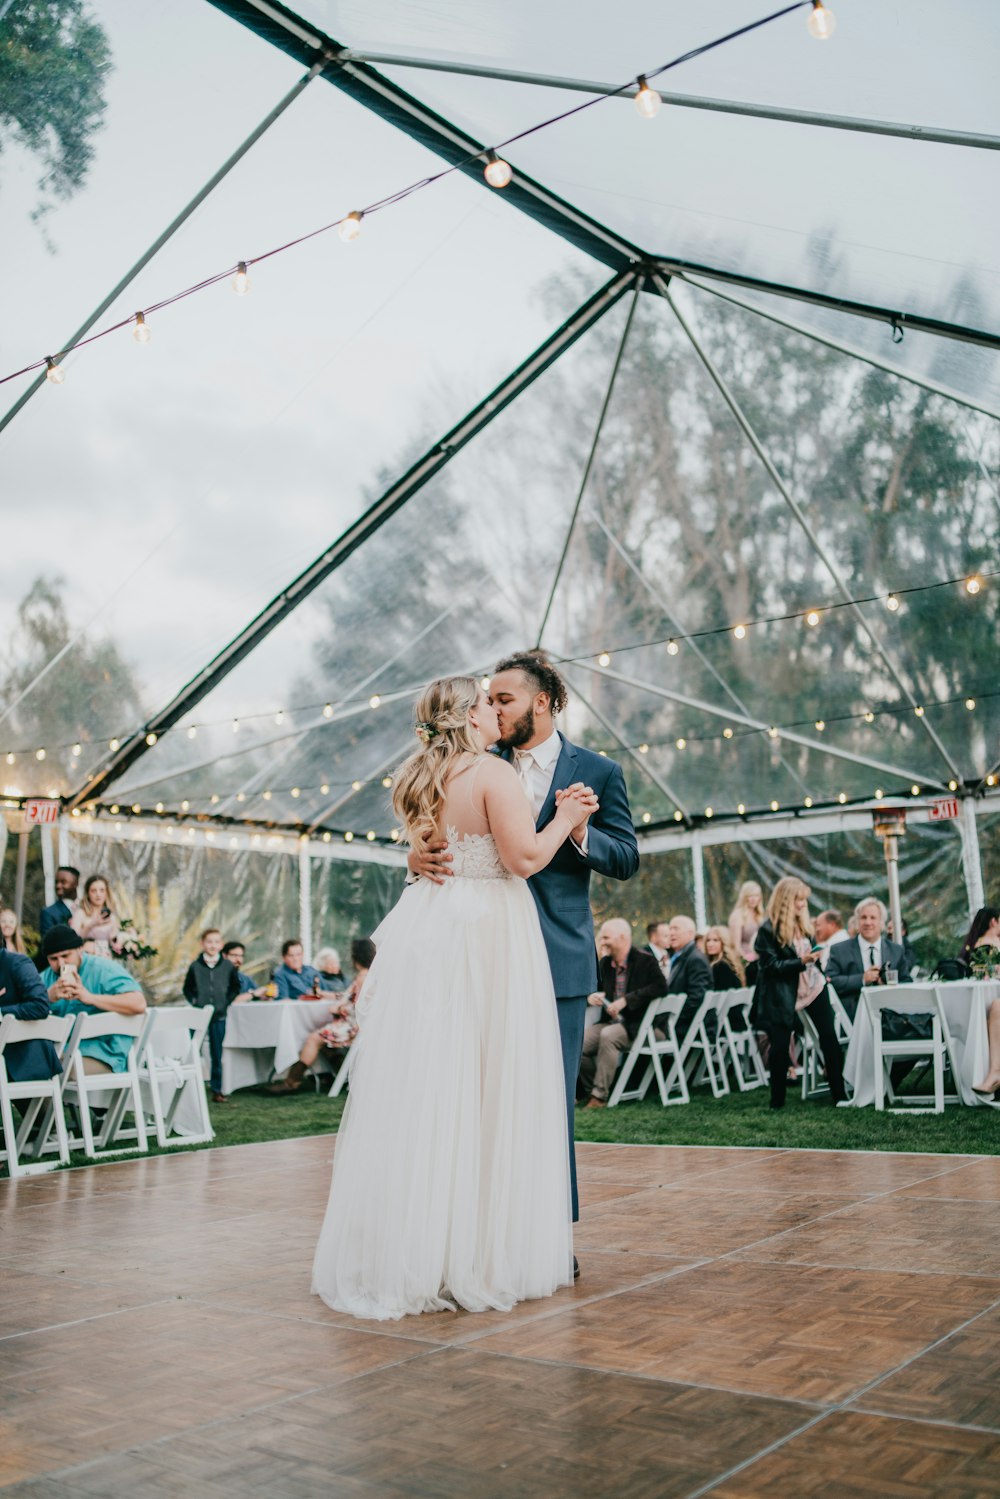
{"x": 169, "y": 1051}
{"x": 343, "y": 1073}
{"x": 123, "y": 1087}
{"x": 908, "y": 1000}
{"x": 56, "y": 1029}
{"x": 736, "y": 1041}
{"x": 660, "y": 1016}
{"x": 813, "y": 1085}
{"x": 842, "y": 1022}
{"x": 698, "y": 1056}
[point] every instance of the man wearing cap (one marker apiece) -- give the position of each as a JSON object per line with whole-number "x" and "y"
{"x": 23, "y": 995}
{"x": 79, "y": 982}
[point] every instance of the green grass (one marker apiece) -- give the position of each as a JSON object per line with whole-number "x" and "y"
{"x": 741, "y": 1119}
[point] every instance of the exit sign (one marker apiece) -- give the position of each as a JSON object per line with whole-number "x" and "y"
{"x": 943, "y": 810}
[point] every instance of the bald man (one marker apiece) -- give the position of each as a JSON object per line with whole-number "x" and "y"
{"x": 630, "y": 979}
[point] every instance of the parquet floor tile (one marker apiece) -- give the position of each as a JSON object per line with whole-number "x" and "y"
{"x": 849, "y": 1455}
{"x": 958, "y": 1381}
{"x": 29, "y": 1301}
{"x": 835, "y": 1174}
{"x": 898, "y": 1233}
{"x": 800, "y": 1332}
{"x": 682, "y": 1220}
{"x": 459, "y": 1424}
{"x": 979, "y": 1181}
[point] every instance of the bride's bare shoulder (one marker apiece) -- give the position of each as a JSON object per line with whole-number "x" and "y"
{"x": 498, "y": 771}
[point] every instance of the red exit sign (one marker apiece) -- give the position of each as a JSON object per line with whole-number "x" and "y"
{"x": 40, "y": 811}
{"x": 943, "y": 810}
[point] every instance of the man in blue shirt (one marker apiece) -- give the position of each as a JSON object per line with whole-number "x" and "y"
{"x": 296, "y": 979}
{"x": 22, "y": 994}
{"x": 61, "y": 909}
{"x": 83, "y": 983}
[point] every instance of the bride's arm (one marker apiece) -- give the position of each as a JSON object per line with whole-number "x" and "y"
{"x": 523, "y": 850}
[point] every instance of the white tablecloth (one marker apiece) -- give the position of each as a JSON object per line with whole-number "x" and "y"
{"x": 266, "y": 1036}
{"x": 965, "y": 1008}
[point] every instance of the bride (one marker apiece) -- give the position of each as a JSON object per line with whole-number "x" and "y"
{"x": 451, "y": 1172}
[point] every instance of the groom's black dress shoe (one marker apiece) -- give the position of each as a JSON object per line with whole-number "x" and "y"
{"x": 576, "y": 1268}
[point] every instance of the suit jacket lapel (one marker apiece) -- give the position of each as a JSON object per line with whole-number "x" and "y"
{"x": 565, "y": 775}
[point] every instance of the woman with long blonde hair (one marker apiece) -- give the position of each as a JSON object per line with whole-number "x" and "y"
{"x": 10, "y": 931}
{"x": 94, "y": 916}
{"x": 725, "y": 961}
{"x": 789, "y": 979}
{"x": 451, "y": 1178}
{"x": 744, "y": 923}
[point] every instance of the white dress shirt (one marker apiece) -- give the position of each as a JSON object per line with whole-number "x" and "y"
{"x": 536, "y": 768}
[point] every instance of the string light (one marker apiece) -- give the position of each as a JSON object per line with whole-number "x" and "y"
{"x": 869, "y": 716}
{"x": 11, "y": 758}
{"x": 374, "y": 700}
{"x": 604, "y": 659}
{"x": 672, "y": 647}
{"x": 394, "y": 835}
{"x": 77, "y": 749}
{"x": 682, "y": 742}
{"x": 914, "y": 790}
{"x": 348, "y": 837}
{"x": 159, "y": 806}
{"x": 812, "y": 618}
{"x": 39, "y": 754}
{"x": 241, "y": 796}
{"x": 279, "y": 717}
{"x": 214, "y": 799}
{"x": 727, "y": 732}
{"x": 644, "y": 749}
{"x": 185, "y": 806}
{"x": 709, "y": 812}
{"x": 484, "y": 683}
{"x": 970, "y": 703}
{"x": 952, "y": 785}
{"x": 114, "y": 744}
{"x": 647, "y": 100}
{"x": 678, "y": 816}
{"x": 820, "y": 725}
{"x": 151, "y": 739}
{"x": 918, "y": 710}
{"x": 370, "y": 836}
{"x": 647, "y": 816}
{"x": 772, "y": 732}
{"x": 327, "y": 710}
{"x": 54, "y": 373}
{"x": 740, "y": 632}
{"x": 236, "y": 726}
{"x": 135, "y": 807}
{"x": 324, "y": 790}
{"x": 822, "y": 23}
{"x": 879, "y": 793}
{"x": 327, "y": 837}
{"x": 192, "y": 732}
{"x": 973, "y": 584}
{"x": 241, "y": 281}
{"x": 356, "y": 785}
{"x": 350, "y": 227}
{"x": 991, "y": 780}
{"x": 774, "y": 806}
{"x": 267, "y": 796}
{"x": 498, "y": 172}
{"x": 740, "y": 807}
{"x": 842, "y": 798}
{"x": 141, "y": 333}
{"x": 891, "y": 603}
{"x": 296, "y": 791}
{"x": 114, "y": 810}
{"x": 808, "y": 801}
{"x": 387, "y": 781}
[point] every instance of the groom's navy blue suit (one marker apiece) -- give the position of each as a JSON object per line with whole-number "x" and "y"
{"x": 562, "y": 895}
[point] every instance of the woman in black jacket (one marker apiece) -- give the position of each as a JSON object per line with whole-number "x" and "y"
{"x": 786, "y": 972}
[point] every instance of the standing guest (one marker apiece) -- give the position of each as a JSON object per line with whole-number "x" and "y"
{"x": 23, "y": 995}
{"x": 983, "y": 933}
{"x": 853, "y": 965}
{"x": 689, "y": 974}
{"x": 828, "y": 929}
{"x": 296, "y": 979}
{"x": 631, "y": 979}
{"x": 744, "y": 922}
{"x": 59, "y": 913}
{"x": 789, "y": 979}
{"x": 213, "y": 980}
{"x": 726, "y": 963}
{"x": 331, "y": 975}
{"x": 94, "y": 917}
{"x": 85, "y": 983}
{"x": 658, "y": 944}
{"x": 236, "y": 953}
{"x": 10, "y": 932}
{"x": 362, "y": 958}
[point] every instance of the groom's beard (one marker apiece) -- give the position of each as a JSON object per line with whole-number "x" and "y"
{"x": 520, "y": 731}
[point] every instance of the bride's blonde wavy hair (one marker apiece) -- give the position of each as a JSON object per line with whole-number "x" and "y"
{"x": 443, "y": 728}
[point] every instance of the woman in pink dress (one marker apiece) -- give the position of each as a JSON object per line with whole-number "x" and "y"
{"x": 94, "y": 916}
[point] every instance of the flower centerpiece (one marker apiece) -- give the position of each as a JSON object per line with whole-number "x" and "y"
{"x": 128, "y": 943}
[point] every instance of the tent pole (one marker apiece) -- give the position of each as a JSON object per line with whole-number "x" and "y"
{"x": 972, "y": 864}
{"x": 698, "y": 866}
{"x": 169, "y": 232}
{"x": 305, "y": 898}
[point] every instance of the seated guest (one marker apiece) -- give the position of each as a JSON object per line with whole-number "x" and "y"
{"x": 789, "y": 979}
{"x": 94, "y": 917}
{"x": 657, "y": 943}
{"x": 85, "y": 983}
{"x": 689, "y": 974}
{"x": 213, "y": 980}
{"x": 852, "y": 966}
{"x": 236, "y": 953}
{"x": 983, "y": 937}
{"x": 331, "y": 975}
{"x": 726, "y": 964}
{"x": 335, "y": 1037}
{"x": 296, "y": 979}
{"x": 23, "y": 995}
{"x": 828, "y": 929}
{"x": 10, "y": 931}
{"x": 61, "y": 909}
{"x": 631, "y": 979}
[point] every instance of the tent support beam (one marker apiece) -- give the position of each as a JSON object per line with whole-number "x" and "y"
{"x": 803, "y": 521}
{"x": 694, "y": 101}
{"x": 698, "y": 873}
{"x": 170, "y": 231}
{"x": 588, "y": 466}
{"x": 972, "y": 864}
{"x": 327, "y": 563}
{"x": 755, "y": 723}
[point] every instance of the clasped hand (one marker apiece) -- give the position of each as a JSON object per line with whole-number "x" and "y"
{"x": 579, "y": 800}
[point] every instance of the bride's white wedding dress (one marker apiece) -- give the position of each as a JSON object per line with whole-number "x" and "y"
{"x": 451, "y": 1168}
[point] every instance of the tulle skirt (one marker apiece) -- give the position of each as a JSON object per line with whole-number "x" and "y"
{"x": 451, "y": 1170}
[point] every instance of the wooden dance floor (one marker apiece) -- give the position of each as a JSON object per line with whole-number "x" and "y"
{"x": 770, "y": 1322}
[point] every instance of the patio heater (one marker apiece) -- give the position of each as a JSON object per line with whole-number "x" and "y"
{"x": 890, "y": 826}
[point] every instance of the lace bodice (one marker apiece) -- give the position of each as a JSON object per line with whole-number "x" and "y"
{"x": 474, "y": 856}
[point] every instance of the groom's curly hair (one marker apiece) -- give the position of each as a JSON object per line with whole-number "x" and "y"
{"x": 540, "y": 672}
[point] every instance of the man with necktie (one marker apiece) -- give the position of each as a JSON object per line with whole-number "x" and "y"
{"x": 852, "y": 966}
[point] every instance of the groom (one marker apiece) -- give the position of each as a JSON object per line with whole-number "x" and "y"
{"x": 528, "y": 692}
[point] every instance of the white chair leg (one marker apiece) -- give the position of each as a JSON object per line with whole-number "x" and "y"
{"x": 83, "y": 1105}
{"x": 160, "y": 1125}
{"x": 10, "y": 1136}
{"x": 140, "y": 1117}
{"x": 59, "y": 1119}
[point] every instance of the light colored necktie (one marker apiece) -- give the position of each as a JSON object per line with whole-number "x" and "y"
{"x": 523, "y": 766}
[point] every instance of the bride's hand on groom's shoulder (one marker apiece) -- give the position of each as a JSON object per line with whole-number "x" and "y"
{"x": 433, "y": 863}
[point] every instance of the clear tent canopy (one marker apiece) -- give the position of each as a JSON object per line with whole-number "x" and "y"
{"x": 691, "y": 403}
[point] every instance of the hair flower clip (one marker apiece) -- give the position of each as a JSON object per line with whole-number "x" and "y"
{"x": 426, "y": 732}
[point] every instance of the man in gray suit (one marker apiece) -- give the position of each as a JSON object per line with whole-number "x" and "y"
{"x": 528, "y": 693}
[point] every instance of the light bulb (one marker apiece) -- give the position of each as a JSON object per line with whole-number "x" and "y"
{"x": 114, "y": 810}
{"x": 214, "y": 798}
{"x": 914, "y": 790}
{"x": 374, "y": 701}
{"x": 812, "y": 618}
{"x": 324, "y": 790}
{"x": 647, "y": 817}
{"x": 709, "y": 812}
{"x": 820, "y": 725}
{"x": 678, "y": 816}
{"x": 822, "y": 23}
{"x": 370, "y": 836}
{"x": 973, "y": 584}
{"x": 919, "y": 711}
{"x": 672, "y": 647}
{"x": 39, "y": 754}
{"x": 355, "y": 785}
{"x": 498, "y": 172}
{"x": 647, "y": 100}
{"x": 387, "y": 781}
{"x": 140, "y": 332}
{"x": 740, "y": 632}
{"x": 808, "y": 801}
{"x": 350, "y": 227}
{"x": 185, "y": 806}
{"x": 236, "y": 726}
{"x": 869, "y": 716}
{"x": 348, "y": 837}
{"x": 296, "y": 791}
{"x": 267, "y": 796}
{"x": 484, "y": 683}
{"x": 604, "y": 659}
{"x": 879, "y": 793}
{"x": 394, "y": 835}
{"x": 892, "y": 603}
{"x": 78, "y": 749}
{"x": 326, "y": 837}
{"x": 53, "y": 374}
{"x": 842, "y": 798}
{"x": 241, "y": 796}
{"x": 970, "y": 703}
{"x": 952, "y": 785}
{"x": 279, "y": 717}
{"x": 136, "y": 808}
{"x": 151, "y": 739}
{"x": 241, "y": 281}
{"x": 327, "y": 710}
{"x": 727, "y": 732}
{"x": 772, "y": 732}
{"x": 11, "y": 757}
{"x": 682, "y": 742}
{"x": 114, "y": 744}
{"x": 192, "y": 731}
{"x": 774, "y": 806}
{"x": 991, "y": 780}
{"x": 159, "y": 806}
